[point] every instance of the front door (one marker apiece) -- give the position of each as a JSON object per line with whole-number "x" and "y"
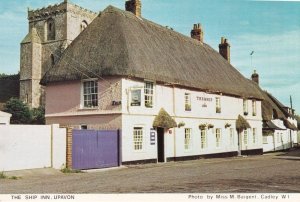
{"x": 160, "y": 145}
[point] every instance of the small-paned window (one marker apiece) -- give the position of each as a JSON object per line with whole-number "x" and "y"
{"x": 245, "y": 137}
{"x": 245, "y": 106}
{"x": 265, "y": 139}
{"x": 187, "y": 101}
{"x": 138, "y": 138}
{"x": 187, "y": 138}
{"x": 254, "y": 135}
{"x": 218, "y": 137}
{"x": 90, "y": 94}
{"x": 253, "y": 108}
{"x": 218, "y": 105}
{"x": 149, "y": 92}
{"x": 203, "y": 138}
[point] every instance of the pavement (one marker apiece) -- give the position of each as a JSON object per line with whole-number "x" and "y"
{"x": 271, "y": 173}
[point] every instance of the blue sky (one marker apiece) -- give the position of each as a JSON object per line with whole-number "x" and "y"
{"x": 270, "y": 28}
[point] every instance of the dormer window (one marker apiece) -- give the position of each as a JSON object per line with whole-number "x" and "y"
{"x": 83, "y": 25}
{"x": 50, "y": 29}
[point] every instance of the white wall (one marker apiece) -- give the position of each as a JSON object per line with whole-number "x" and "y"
{"x": 172, "y": 100}
{"x": 4, "y": 118}
{"x": 29, "y": 146}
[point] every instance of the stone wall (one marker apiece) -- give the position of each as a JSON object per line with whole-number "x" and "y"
{"x": 36, "y": 58}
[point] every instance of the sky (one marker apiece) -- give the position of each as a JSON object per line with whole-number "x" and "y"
{"x": 269, "y": 28}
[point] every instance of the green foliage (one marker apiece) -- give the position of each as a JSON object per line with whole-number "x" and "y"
{"x": 2, "y": 175}
{"x": 68, "y": 170}
{"x": 20, "y": 112}
{"x": 38, "y": 116}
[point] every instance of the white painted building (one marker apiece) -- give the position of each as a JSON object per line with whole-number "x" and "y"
{"x": 187, "y": 141}
{"x": 4, "y": 118}
{"x": 125, "y": 72}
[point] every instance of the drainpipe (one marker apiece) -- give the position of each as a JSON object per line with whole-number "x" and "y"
{"x": 51, "y": 142}
{"x": 174, "y": 112}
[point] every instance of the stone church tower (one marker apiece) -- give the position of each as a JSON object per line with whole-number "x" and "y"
{"x": 51, "y": 30}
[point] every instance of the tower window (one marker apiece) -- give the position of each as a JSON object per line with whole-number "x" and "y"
{"x": 50, "y": 29}
{"x": 52, "y": 60}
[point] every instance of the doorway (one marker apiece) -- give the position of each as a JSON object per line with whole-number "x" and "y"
{"x": 160, "y": 145}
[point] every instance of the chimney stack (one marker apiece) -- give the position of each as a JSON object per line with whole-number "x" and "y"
{"x": 255, "y": 77}
{"x": 197, "y": 32}
{"x": 134, "y": 6}
{"x": 224, "y": 49}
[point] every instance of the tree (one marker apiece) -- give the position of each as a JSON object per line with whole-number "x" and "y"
{"x": 20, "y": 112}
{"x": 38, "y": 116}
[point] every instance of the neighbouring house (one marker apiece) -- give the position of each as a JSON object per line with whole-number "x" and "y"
{"x": 4, "y": 118}
{"x": 173, "y": 97}
{"x": 279, "y": 123}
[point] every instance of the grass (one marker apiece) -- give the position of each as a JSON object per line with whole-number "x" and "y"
{"x": 68, "y": 170}
{"x": 3, "y": 176}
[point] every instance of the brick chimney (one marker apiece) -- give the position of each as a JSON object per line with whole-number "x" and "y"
{"x": 197, "y": 32}
{"x": 224, "y": 49}
{"x": 255, "y": 77}
{"x": 134, "y": 6}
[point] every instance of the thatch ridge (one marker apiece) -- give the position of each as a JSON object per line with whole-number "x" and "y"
{"x": 117, "y": 43}
{"x": 164, "y": 120}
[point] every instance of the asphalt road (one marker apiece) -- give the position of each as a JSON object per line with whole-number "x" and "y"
{"x": 271, "y": 173}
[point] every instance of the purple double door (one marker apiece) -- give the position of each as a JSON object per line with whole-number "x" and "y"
{"x": 93, "y": 149}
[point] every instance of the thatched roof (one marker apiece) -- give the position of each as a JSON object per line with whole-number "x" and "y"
{"x": 117, "y": 43}
{"x": 242, "y": 123}
{"x": 269, "y": 125}
{"x": 270, "y": 110}
{"x": 281, "y": 106}
{"x": 164, "y": 120}
{"x": 289, "y": 125}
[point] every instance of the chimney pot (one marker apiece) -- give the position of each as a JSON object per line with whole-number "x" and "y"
{"x": 224, "y": 49}
{"x": 255, "y": 77}
{"x": 197, "y": 32}
{"x": 134, "y": 6}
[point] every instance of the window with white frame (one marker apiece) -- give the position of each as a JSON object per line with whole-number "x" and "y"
{"x": 148, "y": 92}
{"x": 218, "y": 137}
{"x": 90, "y": 94}
{"x": 254, "y": 133}
{"x": 218, "y": 105}
{"x": 138, "y": 138}
{"x": 253, "y": 108}
{"x": 187, "y": 102}
{"x": 245, "y": 106}
{"x": 245, "y": 137}
{"x": 278, "y": 138}
{"x": 203, "y": 138}
{"x": 231, "y": 136}
{"x": 187, "y": 138}
{"x": 265, "y": 139}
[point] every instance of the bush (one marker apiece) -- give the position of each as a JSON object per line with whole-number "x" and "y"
{"x": 38, "y": 116}
{"x": 20, "y": 112}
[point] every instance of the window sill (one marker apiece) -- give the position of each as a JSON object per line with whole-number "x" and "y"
{"x": 88, "y": 108}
